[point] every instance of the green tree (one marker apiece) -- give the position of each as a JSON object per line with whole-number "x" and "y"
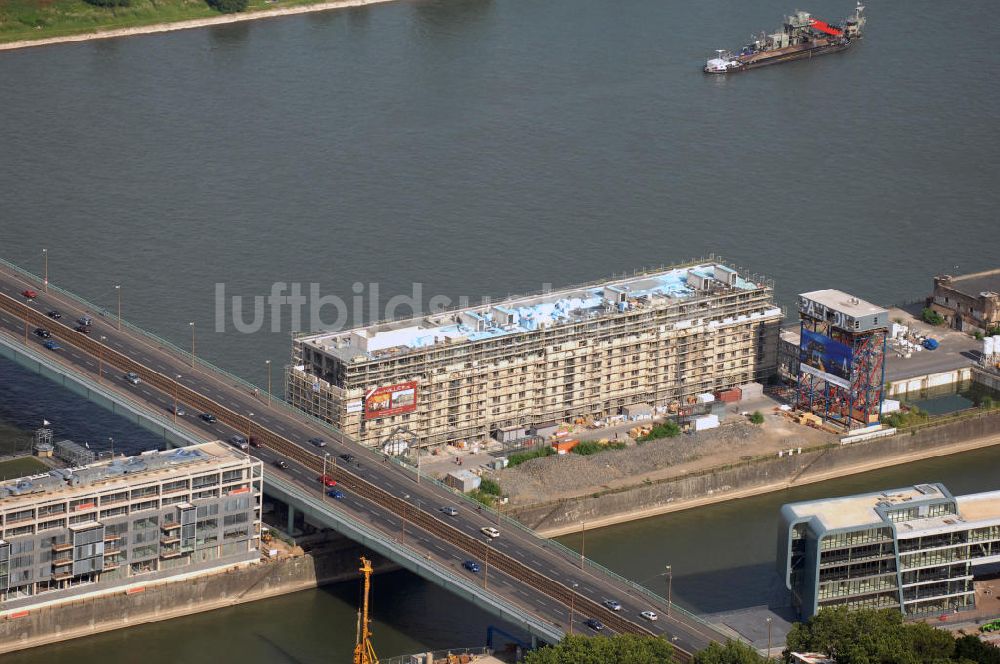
{"x": 617, "y": 649}
{"x": 932, "y": 317}
{"x": 757, "y": 417}
{"x": 228, "y": 6}
{"x": 110, "y": 3}
{"x": 734, "y": 652}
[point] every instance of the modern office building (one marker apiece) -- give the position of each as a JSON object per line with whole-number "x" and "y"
{"x": 912, "y": 549}
{"x": 128, "y": 520}
{"x": 656, "y": 338}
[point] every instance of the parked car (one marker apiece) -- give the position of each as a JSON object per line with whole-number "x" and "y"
{"x": 281, "y": 464}
{"x": 613, "y": 604}
{"x": 42, "y": 333}
{"x": 132, "y": 377}
{"x": 318, "y": 442}
{"x": 335, "y": 493}
{"x": 593, "y": 624}
{"x": 327, "y": 480}
{"x": 54, "y": 315}
{"x": 472, "y": 566}
{"x": 490, "y": 531}
{"x": 240, "y": 442}
{"x": 29, "y": 294}
{"x": 83, "y": 328}
{"x": 86, "y": 321}
{"x": 450, "y": 511}
{"x": 52, "y": 345}
{"x": 347, "y": 458}
{"x": 208, "y": 417}
{"x": 650, "y": 615}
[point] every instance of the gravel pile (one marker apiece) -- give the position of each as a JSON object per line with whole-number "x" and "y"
{"x": 548, "y": 478}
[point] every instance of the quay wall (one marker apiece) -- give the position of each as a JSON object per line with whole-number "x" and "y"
{"x": 162, "y": 600}
{"x": 757, "y": 476}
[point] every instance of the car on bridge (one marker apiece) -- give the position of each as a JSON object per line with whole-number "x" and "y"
{"x": 29, "y": 294}
{"x": 208, "y": 417}
{"x": 613, "y": 604}
{"x": 347, "y": 458}
{"x": 240, "y": 442}
{"x": 472, "y": 566}
{"x": 54, "y": 315}
{"x": 335, "y": 493}
{"x": 594, "y": 624}
{"x": 253, "y": 441}
{"x": 318, "y": 442}
{"x": 42, "y": 333}
{"x": 83, "y": 329}
{"x": 279, "y": 463}
{"x": 86, "y": 321}
{"x": 178, "y": 410}
{"x": 650, "y": 615}
{"x": 132, "y": 377}
{"x": 327, "y": 480}
{"x": 490, "y": 531}
{"x": 52, "y": 345}
{"x": 450, "y": 511}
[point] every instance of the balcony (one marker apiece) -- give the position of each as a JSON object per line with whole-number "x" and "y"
{"x": 60, "y": 562}
{"x": 66, "y": 546}
{"x": 167, "y": 541}
{"x": 108, "y": 566}
{"x": 112, "y": 538}
{"x": 62, "y": 576}
{"x": 169, "y": 526}
{"x": 170, "y": 554}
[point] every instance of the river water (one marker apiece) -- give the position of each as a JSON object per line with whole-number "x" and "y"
{"x": 483, "y": 147}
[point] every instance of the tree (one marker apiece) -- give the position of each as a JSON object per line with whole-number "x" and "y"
{"x": 228, "y": 6}
{"x": 734, "y": 652}
{"x": 932, "y": 317}
{"x": 757, "y": 417}
{"x": 110, "y": 3}
{"x": 618, "y": 649}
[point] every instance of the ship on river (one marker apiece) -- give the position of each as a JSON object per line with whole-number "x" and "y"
{"x": 801, "y": 36}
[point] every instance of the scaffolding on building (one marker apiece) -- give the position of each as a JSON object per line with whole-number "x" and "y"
{"x": 73, "y": 454}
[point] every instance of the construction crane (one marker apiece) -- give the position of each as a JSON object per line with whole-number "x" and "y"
{"x": 364, "y": 652}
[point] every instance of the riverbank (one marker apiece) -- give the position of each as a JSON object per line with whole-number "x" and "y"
{"x": 143, "y": 24}
{"x": 758, "y": 476}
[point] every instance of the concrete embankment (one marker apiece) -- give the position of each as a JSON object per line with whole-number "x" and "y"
{"x": 188, "y": 24}
{"x": 167, "y": 599}
{"x": 757, "y": 476}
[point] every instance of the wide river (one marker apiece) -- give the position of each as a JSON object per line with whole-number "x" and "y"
{"x": 487, "y": 147}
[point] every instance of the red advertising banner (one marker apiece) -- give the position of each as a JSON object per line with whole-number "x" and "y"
{"x": 391, "y": 400}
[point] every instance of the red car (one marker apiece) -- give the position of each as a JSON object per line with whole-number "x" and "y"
{"x": 327, "y": 480}
{"x": 29, "y": 294}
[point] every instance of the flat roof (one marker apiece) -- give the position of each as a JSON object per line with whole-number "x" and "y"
{"x": 859, "y": 510}
{"x": 525, "y": 314}
{"x": 838, "y": 300}
{"x": 979, "y": 506}
{"x": 977, "y": 282}
{"x": 110, "y": 473}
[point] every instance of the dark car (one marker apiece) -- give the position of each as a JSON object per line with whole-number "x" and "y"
{"x": 318, "y": 442}
{"x": 42, "y": 333}
{"x": 347, "y": 458}
{"x": 253, "y": 441}
{"x": 595, "y": 625}
{"x": 208, "y": 417}
{"x": 335, "y": 493}
{"x": 52, "y": 345}
{"x": 82, "y": 328}
{"x": 472, "y": 566}
{"x": 86, "y": 321}
{"x": 54, "y": 315}
{"x": 280, "y": 464}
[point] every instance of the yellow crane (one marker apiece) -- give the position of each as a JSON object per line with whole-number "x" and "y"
{"x": 364, "y": 652}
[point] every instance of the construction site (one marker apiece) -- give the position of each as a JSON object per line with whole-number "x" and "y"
{"x": 648, "y": 342}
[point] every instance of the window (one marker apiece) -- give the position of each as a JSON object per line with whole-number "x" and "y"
{"x": 144, "y": 492}
{"x": 147, "y": 505}
{"x": 58, "y": 508}
{"x": 114, "y": 511}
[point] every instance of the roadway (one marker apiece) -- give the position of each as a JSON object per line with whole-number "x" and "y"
{"x": 518, "y": 566}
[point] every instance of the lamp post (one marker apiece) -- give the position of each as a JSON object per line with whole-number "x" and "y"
{"x": 118, "y": 288}
{"x": 670, "y": 583}
{"x": 268, "y": 363}
{"x": 769, "y": 637}
{"x": 583, "y": 542}
{"x": 192, "y": 343}
{"x": 486, "y": 568}
{"x": 45, "y": 278}
{"x": 572, "y": 597}
{"x": 322, "y": 479}
{"x": 100, "y": 360}
{"x": 402, "y": 521}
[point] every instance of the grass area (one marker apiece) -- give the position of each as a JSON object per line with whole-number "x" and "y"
{"x": 21, "y": 467}
{"x": 41, "y": 19}
{"x": 588, "y": 447}
{"x": 664, "y": 430}
{"x": 520, "y": 457}
{"x": 488, "y": 492}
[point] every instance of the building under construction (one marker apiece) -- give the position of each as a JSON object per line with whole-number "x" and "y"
{"x": 841, "y": 368}
{"x": 656, "y": 338}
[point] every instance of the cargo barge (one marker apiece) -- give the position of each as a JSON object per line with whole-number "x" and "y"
{"x": 801, "y": 36}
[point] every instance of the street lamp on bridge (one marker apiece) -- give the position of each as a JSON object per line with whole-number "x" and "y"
{"x": 118, "y": 288}
{"x": 45, "y": 278}
{"x": 192, "y": 343}
{"x": 268, "y": 363}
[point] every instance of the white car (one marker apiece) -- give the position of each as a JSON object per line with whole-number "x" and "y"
{"x": 490, "y": 531}
{"x": 650, "y": 615}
